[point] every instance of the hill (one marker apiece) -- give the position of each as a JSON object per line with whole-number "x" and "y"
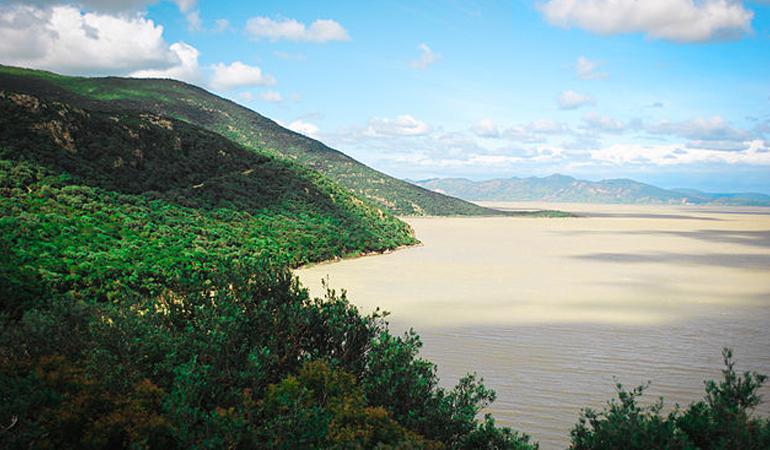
{"x": 146, "y": 301}
{"x": 191, "y": 104}
{"x": 144, "y": 191}
{"x": 561, "y": 188}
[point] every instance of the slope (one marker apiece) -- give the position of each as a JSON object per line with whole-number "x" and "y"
{"x": 195, "y": 105}
{"x": 90, "y": 197}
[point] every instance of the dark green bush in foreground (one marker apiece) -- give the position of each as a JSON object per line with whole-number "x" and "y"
{"x": 722, "y": 421}
{"x": 246, "y": 360}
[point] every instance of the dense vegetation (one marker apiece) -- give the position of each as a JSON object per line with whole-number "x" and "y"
{"x": 146, "y": 300}
{"x": 196, "y": 106}
{"x": 721, "y": 421}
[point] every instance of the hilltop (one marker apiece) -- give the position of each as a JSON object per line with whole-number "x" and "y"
{"x": 561, "y": 188}
{"x": 175, "y": 99}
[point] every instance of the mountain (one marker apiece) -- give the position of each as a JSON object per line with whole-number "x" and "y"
{"x": 561, "y": 188}
{"x": 174, "y": 99}
{"x": 89, "y": 197}
{"x": 736, "y": 199}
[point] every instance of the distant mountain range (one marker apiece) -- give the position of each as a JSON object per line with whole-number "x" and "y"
{"x": 561, "y": 188}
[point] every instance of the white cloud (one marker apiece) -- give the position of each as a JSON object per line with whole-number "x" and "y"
{"x": 585, "y": 70}
{"x": 715, "y": 128}
{"x": 675, "y": 20}
{"x": 754, "y": 153}
{"x": 271, "y": 96}
{"x": 404, "y": 125}
{"x": 485, "y": 128}
{"x": 222, "y": 25}
{"x": 236, "y": 75}
{"x": 547, "y": 126}
{"x": 536, "y": 131}
{"x": 186, "y": 70}
{"x": 455, "y": 144}
{"x": 427, "y": 58}
{"x": 322, "y": 30}
{"x": 184, "y": 5}
{"x": 63, "y": 39}
{"x": 603, "y": 123}
{"x": 194, "y": 21}
{"x": 572, "y": 100}
{"x": 110, "y": 6}
{"x": 306, "y": 128}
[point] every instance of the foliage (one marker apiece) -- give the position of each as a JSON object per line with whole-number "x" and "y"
{"x": 721, "y": 421}
{"x": 182, "y": 101}
{"x": 244, "y": 361}
{"x": 626, "y": 424}
{"x": 74, "y": 221}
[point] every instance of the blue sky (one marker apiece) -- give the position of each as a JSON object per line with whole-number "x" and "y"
{"x": 672, "y": 92}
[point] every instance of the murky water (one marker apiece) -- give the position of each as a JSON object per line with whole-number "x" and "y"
{"x": 552, "y": 311}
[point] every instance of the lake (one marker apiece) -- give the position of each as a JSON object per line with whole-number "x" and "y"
{"x": 552, "y": 312}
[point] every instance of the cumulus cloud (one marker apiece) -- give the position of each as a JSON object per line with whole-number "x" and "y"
{"x": 237, "y": 75}
{"x": 485, "y": 128}
{"x": 322, "y": 30}
{"x": 110, "y": 6}
{"x": 194, "y": 21}
{"x": 573, "y": 100}
{"x": 603, "y": 123}
{"x": 63, "y": 39}
{"x": 536, "y": 131}
{"x": 427, "y": 58}
{"x": 271, "y": 96}
{"x": 547, "y": 126}
{"x": 186, "y": 70}
{"x": 404, "y": 125}
{"x": 753, "y": 153}
{"x": 585, "y": 70}
{"x": 455, "y": 144}
{"x": 713, "y": 129}
{"x": 306, "y": 128}
{"x": 680, "y": 21}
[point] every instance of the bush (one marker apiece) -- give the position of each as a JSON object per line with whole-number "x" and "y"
{"x": 722, "y": 421}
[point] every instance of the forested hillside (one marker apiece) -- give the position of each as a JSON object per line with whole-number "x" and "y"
{"x": 146, "y": 301}
{"x": 170, "y": 98}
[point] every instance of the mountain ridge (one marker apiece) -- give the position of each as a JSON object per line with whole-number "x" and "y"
{"x": 563, "y": 188}
{"x": 193, "y": 104}
{"x": 139, "y": 190}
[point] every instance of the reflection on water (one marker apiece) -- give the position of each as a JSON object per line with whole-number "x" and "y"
{"x": 548, "y": 311}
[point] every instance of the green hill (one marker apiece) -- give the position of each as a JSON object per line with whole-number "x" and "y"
{"x": 188, "y": 103}
{"x": 89, "y": 197}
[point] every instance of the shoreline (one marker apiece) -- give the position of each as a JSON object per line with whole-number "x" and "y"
{"x": 358, "y": 256}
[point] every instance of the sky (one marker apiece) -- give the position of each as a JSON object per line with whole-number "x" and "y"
{"x": 670, "y": 92}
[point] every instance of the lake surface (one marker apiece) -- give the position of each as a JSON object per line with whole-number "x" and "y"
{"x": 552, "y": 312}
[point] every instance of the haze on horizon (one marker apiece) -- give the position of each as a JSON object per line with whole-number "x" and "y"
{"x": 674, "y": 93}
